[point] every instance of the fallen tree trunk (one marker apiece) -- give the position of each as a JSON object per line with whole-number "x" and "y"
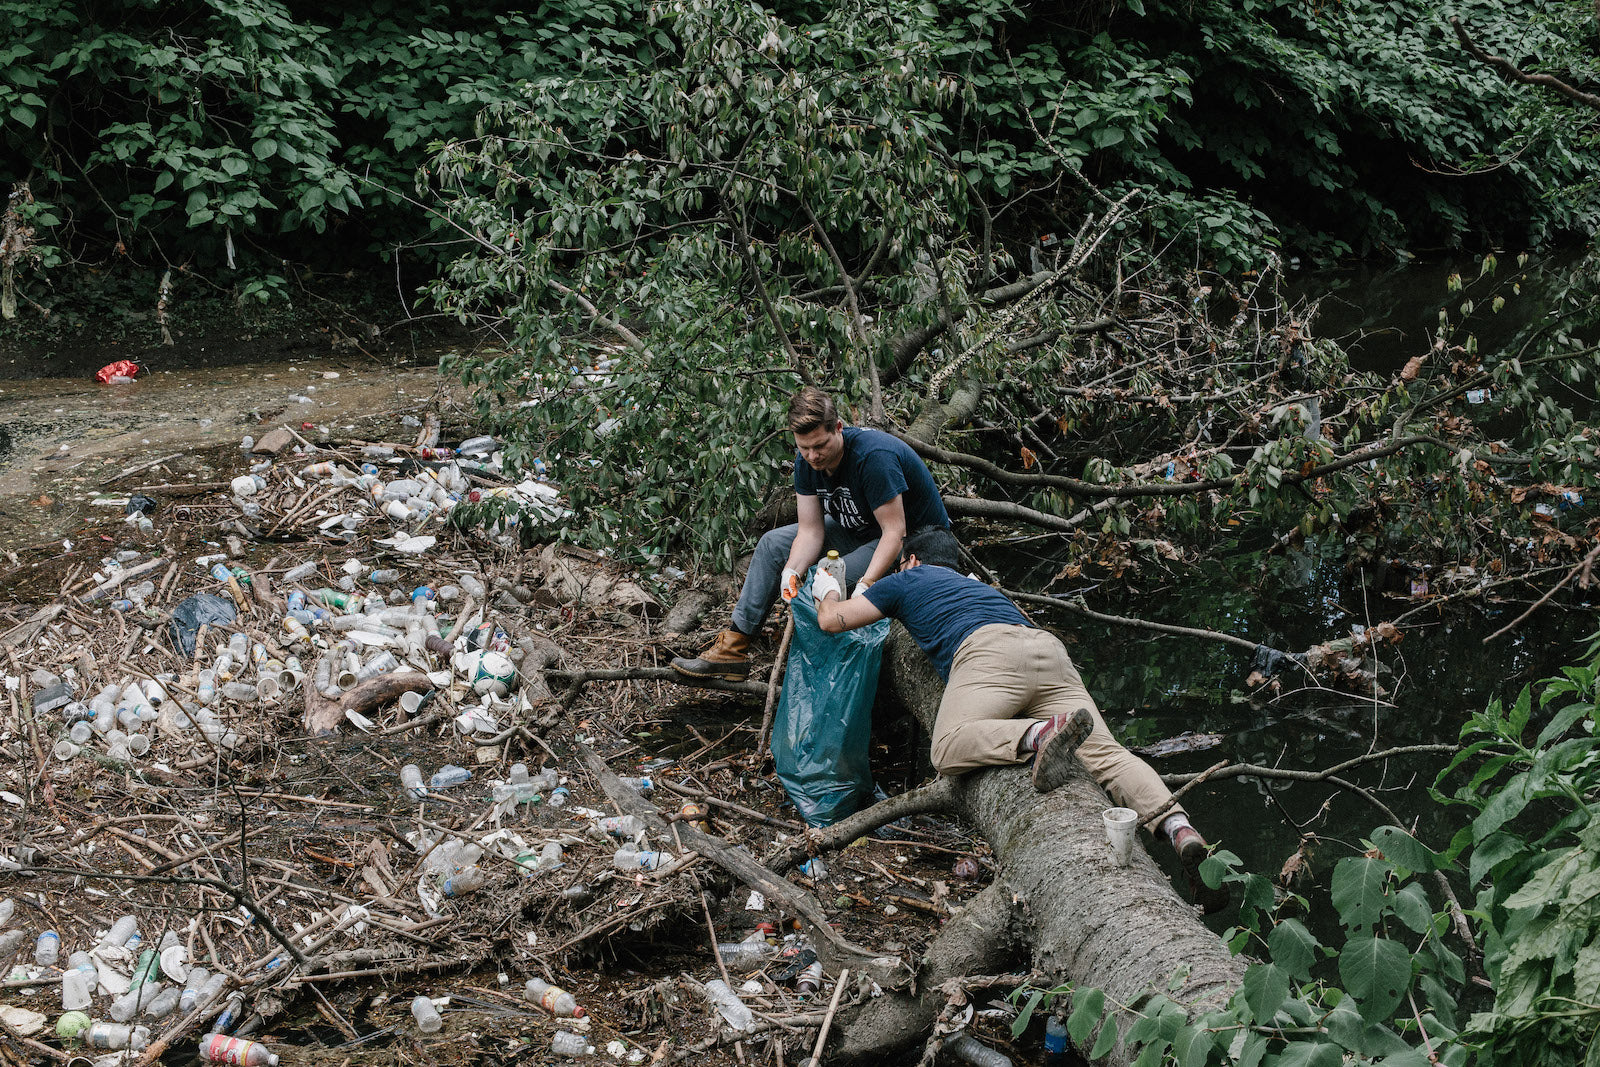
{"x": 1123, "y": 930}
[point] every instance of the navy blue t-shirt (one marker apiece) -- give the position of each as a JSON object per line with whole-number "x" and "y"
{"x": 876, "y": 468}
{"x": 941, "y": 608}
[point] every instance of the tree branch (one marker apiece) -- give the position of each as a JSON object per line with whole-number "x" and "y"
{"x": 1516, "y": 74}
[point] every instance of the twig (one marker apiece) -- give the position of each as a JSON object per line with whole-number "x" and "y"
{"x": 827, "y": 1020}
{"x": 1583, "y": 565}
{"x": 772, "y": 689}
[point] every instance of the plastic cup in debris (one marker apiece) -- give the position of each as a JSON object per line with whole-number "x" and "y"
{"x": 410, "y": 701}
{"x": 1120, "y": 824}
{"x": 75, "y": 990}
{"x": 426, "y": 1015}
{"x": 65, "y": 750}
{"x": 411, "y": 781}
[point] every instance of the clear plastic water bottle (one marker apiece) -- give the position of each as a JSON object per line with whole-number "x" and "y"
{"x": 833, "y": 564}
{"x": 120, "y": 932}
{"x": 130, "y": 1003}
{"x": 116, "y": 1036}
{"x": 7, "y": 906}
{"x": 47, "y": 949}
{"x": 639, "y": 785}
{"x": 745, "y": 955}
{"x": 384, "y": 576}
{"x": 164, "y": 1004}
{"x": 622, "y": 827}
{"x": 426, "y": 1015}
{"x": 630, "y": 859}
{"x": 448, "y": 777}
{"x": 193, "y": 982}
{"x": 558, "y": 797}
{"x": 459, "y": 884}
{"x": 571, "y": 1045}
{"x": 10, "y": 940}
{"x": 734, "y": 1011}
{"x": 553, "y": 999}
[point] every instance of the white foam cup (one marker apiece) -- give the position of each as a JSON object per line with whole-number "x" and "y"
{"x": 1120, "y": 824}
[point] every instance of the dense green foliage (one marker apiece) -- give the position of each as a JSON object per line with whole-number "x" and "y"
{"x": 213, "y": 132}
{"x": 1399, "y": 989}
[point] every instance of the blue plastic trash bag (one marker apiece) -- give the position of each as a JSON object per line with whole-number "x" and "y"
{"x": 202, "y": 609}
{"x": 824, "y": 720}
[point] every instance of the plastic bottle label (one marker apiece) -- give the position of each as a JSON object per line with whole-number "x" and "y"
{"x": 233, "y": 1050}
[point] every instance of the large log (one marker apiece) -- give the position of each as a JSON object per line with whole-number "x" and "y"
{"x": 1123, "y": 930}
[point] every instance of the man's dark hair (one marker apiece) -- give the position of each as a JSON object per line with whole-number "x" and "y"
{"x": 934, "y": 545}
{"x": 811, "y": 409}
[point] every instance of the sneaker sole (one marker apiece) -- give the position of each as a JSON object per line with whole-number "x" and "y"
{"x": 1049, "y": 765}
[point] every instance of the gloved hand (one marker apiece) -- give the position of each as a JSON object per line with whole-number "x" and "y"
{"x": 789, "y": 585}
{"x": 825, "y": 583}
{"x": 861, "y": 587}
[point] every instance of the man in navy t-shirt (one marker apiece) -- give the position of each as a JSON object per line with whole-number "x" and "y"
{"x": 858, "y": 492}
{"x": 1011, "y": 692}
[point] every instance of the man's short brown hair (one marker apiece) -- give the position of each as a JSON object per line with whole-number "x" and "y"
{"x": 810, "y": 409}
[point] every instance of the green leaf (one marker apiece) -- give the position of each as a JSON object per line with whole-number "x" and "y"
{"x": 1358, "y": 890}
{"x": 1410, "y": 906}
{"x": 265, "y": 147}
{"x": 1376, "y": 972}
{"x": 1309, "y": 1054}
{"x": 1293, "y": 948}
{"x": 1106, "y": 1041}
{"x": 1404, "y": 850}
{"x": 1087, "y": 1007}
{"x": 1265, "y": 987}
{"x": 1020, "y": 1023}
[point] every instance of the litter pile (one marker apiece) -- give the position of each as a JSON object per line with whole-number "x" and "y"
{"x": 315, "y": 747}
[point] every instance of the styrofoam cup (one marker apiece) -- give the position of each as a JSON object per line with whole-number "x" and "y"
{"x": 1120, "y": 824}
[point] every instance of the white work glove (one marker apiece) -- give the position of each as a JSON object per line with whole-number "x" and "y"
{"x": 789, "y": 584}
{"x": 861, "y": 587}
{"x": 825, "y": 583}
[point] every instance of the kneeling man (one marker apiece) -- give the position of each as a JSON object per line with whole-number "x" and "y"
{"x": 1011, "y": 692}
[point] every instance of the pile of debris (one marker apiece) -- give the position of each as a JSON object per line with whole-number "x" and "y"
{"x": 333, "y": 742}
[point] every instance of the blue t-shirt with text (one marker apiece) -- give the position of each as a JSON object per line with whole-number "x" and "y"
{"x": 876, "y": 468}
{"x": 941, "y": 609}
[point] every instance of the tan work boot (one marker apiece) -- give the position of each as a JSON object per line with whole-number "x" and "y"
{"x": 728, "y": 658}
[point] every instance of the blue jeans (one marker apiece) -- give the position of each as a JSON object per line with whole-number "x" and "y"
{"x": 766, "y": 568}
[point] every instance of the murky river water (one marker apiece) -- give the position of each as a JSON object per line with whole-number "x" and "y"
{"x": 64, "y": 439}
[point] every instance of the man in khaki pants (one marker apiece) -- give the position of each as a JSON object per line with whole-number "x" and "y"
{"x": 1011, "y": 692}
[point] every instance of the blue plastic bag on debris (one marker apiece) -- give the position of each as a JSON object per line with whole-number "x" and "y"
{"x": 824, "y": 720}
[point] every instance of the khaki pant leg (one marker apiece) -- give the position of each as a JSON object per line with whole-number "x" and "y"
{"x": 1131, "y": 781}
{"x": 982, "y": 716}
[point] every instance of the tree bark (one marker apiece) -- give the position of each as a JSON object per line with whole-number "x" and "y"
{"x": 1123, "y": 930}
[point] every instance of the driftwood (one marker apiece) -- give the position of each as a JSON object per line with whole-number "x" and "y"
{"x": 1123, "y": 930}
{"x": 833, "y": 950}
{"x": 324, "y": 715}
